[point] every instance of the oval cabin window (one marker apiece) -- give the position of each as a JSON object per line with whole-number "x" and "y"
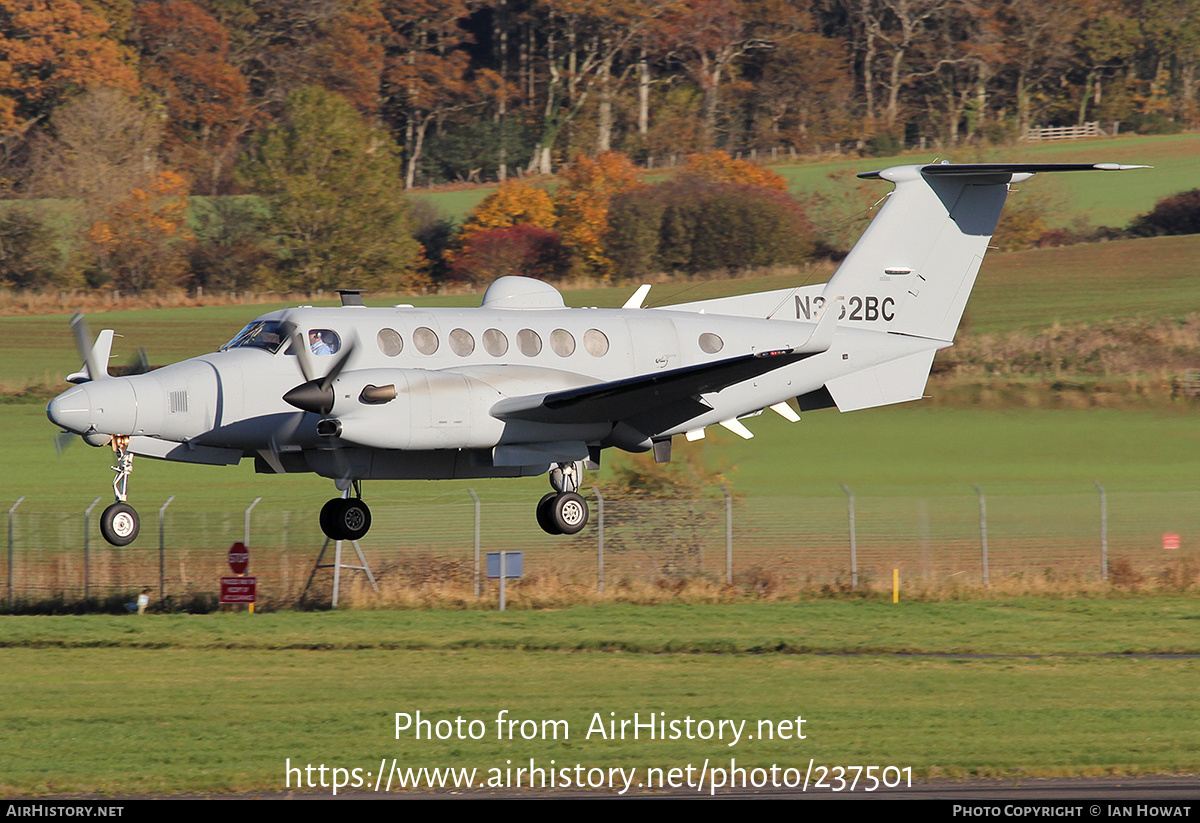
{"x": 495, "y": 343}
{"x": 426, "y": 340}
{"x": 529, "y": 343}
{"x": 710, "y": 343}
{"x": 562, "y": 342}
{"x": 461, "y": 342}
{"x": 390, "y": 342}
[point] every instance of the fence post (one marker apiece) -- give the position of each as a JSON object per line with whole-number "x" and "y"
{"x": 983, "y": 532}
{"x": 475, "y": 497}
{"x": 853, "y": 543}
{"x": 728, "y": 536}
{"x": 599, "y": 539}
{"x": 11, "y": 514}
{"x": 87, "y": 535}
{"x": 162, "y": 550}
{"x": 246, "y": 531}
{"x": 1103, "y": 531}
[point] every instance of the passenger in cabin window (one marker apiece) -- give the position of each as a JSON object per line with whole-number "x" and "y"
{"x": 317, "y": 343}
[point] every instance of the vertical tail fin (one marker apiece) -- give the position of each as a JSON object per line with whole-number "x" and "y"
{"x": 913, "y": 269}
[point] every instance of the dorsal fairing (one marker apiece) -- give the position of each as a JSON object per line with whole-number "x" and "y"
{"x": 513, "y": 292}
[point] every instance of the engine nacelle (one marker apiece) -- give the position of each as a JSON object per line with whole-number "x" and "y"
{"x": 414, "y": 409}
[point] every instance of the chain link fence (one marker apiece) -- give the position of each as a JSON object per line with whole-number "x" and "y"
{"x": 843, "y": 541}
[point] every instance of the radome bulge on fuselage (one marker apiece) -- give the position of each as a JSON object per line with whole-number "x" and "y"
{"x": 523, "y": 384}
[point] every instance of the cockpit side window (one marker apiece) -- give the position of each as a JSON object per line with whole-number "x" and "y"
{"x": 261, "y": 334}
{"x": 324, "y": 341}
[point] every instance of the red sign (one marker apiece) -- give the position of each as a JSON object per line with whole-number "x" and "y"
{"x": 1170, "y": 541}
{"x": 239, "y": 558}
{"x": 238, "y": 589}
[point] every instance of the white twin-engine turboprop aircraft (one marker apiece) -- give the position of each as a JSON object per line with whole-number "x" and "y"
{"x": 524, "y": 385}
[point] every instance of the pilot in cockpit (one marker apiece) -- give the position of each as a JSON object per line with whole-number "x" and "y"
{"x": 317, "y": 343}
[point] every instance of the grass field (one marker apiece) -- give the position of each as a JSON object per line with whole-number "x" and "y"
{"x": 902, "y": 451}
{"x": 219, "y": 703}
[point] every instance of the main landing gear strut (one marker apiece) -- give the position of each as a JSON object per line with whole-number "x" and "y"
{"x": 346, "y": 518}
{"x": 563, "y": 511}
{"x": 119, "y": 523}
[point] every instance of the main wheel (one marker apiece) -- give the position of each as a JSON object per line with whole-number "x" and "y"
{"x": 354, "y": 519}
{"x": 345, "y": 518}
{"x": 570, "y": 512}
{"x": 120, "y": 524}
{"x": 329, "y": 518}
{"x": 545, "y": 516}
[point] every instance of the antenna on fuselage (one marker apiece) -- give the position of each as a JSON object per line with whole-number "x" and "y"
{"x": 351, "y": 297}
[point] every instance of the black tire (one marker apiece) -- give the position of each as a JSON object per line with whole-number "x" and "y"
{"x": 329, "y": 518}
{"x": 345, "y": 518}
{"x": 120, "y": 524}
{"x": 354, "y": 519}
{"x": 570, "y": 512}
{"x": 545, "y": 515}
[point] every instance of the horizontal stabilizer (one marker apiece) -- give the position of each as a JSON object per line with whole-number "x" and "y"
{"x": 896, "y": 381}
{"x": 976, "y": 169}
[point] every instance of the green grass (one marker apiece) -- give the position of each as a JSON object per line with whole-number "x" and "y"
{"x": 219, "y": 703}
{"x": 1029, "y": 626}
{"x": 904, "y": 450}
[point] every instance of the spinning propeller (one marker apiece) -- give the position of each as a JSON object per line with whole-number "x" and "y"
{"x": 95, "y": 354}
{"x": 316, "y": 393}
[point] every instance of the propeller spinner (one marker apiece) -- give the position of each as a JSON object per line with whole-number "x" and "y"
{"x": 315, "y": 394}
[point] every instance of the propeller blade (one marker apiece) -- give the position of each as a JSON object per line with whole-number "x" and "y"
{"x": 340, "y": 363}
{"x": 62, "y": 440}
{"x": 285, "y": 434}
{"x": 83, "y": 342}
{"x": 315, "y": 394}
{"x": 94, "y": 354}
{"x": 140, "y": 364}
{"x": 299, "y": 342}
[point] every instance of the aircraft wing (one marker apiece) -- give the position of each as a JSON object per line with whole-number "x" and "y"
{"x": 675, "y": 392}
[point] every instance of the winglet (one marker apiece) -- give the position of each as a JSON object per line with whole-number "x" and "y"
{"x": 635, "y": 299}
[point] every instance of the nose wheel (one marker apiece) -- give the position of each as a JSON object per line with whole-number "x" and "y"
{"x": 119, "y": 523}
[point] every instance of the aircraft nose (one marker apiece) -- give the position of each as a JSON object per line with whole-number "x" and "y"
{"x": 107, "y": 406}
{"x": 71, "y": 410}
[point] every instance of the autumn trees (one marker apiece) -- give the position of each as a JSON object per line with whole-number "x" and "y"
{"x": 718, "y": 214}
{"x": 492, "y": 90}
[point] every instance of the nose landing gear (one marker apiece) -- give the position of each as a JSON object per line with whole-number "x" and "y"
{"x": 563, "y": 511}
{"x": 119, "y": 523}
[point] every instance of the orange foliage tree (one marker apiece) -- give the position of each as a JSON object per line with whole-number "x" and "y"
{"x": 142, "y": 240}
{"x": 719, "y": 167}
{"x": 582, "y": 203}
{"x": 513, "y": 204}
{"x": 50, "y": 48}
{"x": 186, "y": 59}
